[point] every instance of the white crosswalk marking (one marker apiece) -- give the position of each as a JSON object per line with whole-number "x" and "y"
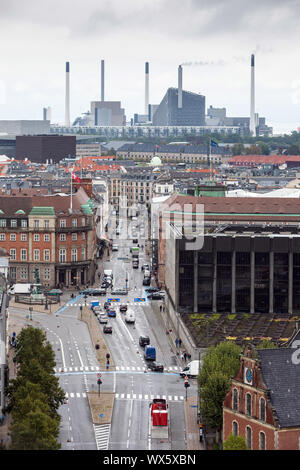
{"x": 102, "y": 432}
{"x": 72, "y": 395}
{"x": 146, "y": 397}
{"x": 78, "y": 395}
{"x": 140, "y": 396}
{"x": 170, "y": 398}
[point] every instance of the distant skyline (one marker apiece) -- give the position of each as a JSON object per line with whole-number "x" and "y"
{"x": 213, "y": 39}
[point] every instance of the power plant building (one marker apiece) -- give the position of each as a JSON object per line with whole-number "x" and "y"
{"x": 192, "y": 112}
{"x": 107, "y": 113}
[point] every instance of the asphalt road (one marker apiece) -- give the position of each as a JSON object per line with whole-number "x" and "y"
{"x": 133, "y": 384}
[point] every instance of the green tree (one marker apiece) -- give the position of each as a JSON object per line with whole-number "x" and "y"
{"x": 238, "y": 149}
{"x": 212, "y": 397}
{"x": 266, "y": 344}
{"x": 235, "y": 443}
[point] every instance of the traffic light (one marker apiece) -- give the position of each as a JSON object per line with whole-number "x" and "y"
{"x": 186, "y": 382}
{"x": 99, "y": 381}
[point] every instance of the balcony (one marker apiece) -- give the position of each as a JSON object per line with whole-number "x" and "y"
{"x": 74, "y": 229}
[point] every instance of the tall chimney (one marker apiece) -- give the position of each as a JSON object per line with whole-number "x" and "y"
{"x": 252, "y": 99}
{"x": 180, "y": 87}
{"x": 67, "y": 101}
{"x": 102, "y": 80}
{"x": 146, "y": 88}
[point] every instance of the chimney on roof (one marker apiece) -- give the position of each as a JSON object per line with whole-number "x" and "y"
{"x": 67, "y": 98}
{"x": 146, "y": 87}
{"x": 252, "y": 99}
{"x": 179, "y": 87}
{"x": 102, "y": 80}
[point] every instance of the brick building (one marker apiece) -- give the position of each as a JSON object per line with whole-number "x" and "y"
{"x": 262, "y": 404}
{"x": 51, "y": 233}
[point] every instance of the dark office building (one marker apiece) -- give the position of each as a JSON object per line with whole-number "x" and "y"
{"x": 39, "y": 148}
{"x": 8, "y": 147}
{"x": 192, "y": 112}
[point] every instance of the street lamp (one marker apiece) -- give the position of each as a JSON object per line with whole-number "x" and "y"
{"x": 30, "y": 313}
{"x": 46, "y": 295}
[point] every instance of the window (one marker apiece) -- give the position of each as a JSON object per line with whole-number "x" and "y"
{"x": 2, "y": 222}
{"x": 23, "y": 237}
{"x": 235, "y": 428}
{"x": 46, "y": 237}
{"x": 24, "y": 273}
{"x": 13, "y": 272}
{"x": 74, "y": 237}
{"x": 62, "y": 237}
{"x": 248, "y": 404}
{"x": 82, "y": 253}
{"x": 13, "y": 237}
{"x": 83, "y": 236}
{"x": 263, "y": 409}
{"x": 36, "y": 224}
{"x": 23, "y": 254}
{"x": 36, "y": 255}
{"x": 74, "y": 222}
{"x": 83, "y": 222}
{"x": 262, "y": 441}
{"x": 2, "y": 237}
{"x": 46, "y": 255}
{"x": 46, "y": 223}
{"x": 248, "y": 437}
{"x": 62, "y": 255}
{"x": 12, "y": 254}
{"x": 36, "y": 237}
{"x": 235, "y": 400}
{"x": 63, "y": 222}
{"x": 24, "y": 223}
{"x": 13, "y": 223}
{"x": 47, "y": 274}
{"x": 74, "y": 254}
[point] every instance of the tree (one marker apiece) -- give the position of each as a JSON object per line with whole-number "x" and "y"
{"x": 220, "y": 363}
{"x": 238, "y": 149}
{"x": 235, "y": 443}
{"x": 266, "y": 344}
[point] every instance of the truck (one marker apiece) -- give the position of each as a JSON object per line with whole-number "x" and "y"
{"x": 191, "y": 370}
{"x": 21, "y": 289}
{"x": 158, "y": 419}
{"x": 150, "y": 353}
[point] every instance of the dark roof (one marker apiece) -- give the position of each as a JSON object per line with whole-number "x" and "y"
{"x": 282, "y": 377}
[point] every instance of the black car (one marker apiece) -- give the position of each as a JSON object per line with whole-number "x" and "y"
{"x": 156, "y": 366}
{"x": 123, "y": 308}
{"x": 146, "y": 281}
{"x": 107, "y": 305}
{"x": 155, "y": 296}
{"x": 87, "y": 291}
{"x": 135, "y": 264}
{"x": 105, "y": 285}
{"x": 152, "y": 289}
{"x": 107, "y": 329}
{"x": 135, "y": 240}
{"x": 144, "y": 340}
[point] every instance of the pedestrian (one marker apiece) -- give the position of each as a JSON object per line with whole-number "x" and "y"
{"x": 184, "y": 356}
{"x": 107, "y": 364}
{"x": 179, "y": 342}
{"x": 189, "y": 357}
{"x": 176, "y": 342}
{"x": 160, "y": 308}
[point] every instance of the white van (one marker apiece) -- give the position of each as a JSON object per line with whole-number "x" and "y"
{"x": 108, "y": 273}
{"x": 130, "y": 317}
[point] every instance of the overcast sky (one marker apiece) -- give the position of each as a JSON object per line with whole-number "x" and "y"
{"x": 214, "y": 37}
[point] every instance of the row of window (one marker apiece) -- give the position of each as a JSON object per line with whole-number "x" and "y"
{"x": 37, "y": 237}
{"x": 46, "y": 254}
{"x": 262, "y": 436}
{"x": 38, "y": 223}
{"x": 24, "y": 273}
{"x": 248, "y": 404}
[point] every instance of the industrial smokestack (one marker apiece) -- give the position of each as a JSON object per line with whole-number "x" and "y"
{"x": 102, "y": 80}
{"x": 252, "y": 98}
{"x": 146, "y": 88}
{"x": 67, "y": 101}
{"x": 179, "y": 87}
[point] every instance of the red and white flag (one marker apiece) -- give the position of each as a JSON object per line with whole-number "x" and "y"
{"x": 75, "y": 177}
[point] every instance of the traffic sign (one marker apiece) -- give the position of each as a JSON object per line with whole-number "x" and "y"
{"x": 186, "y": 378}
{"x": 99, "y": 375}
{"x": 113, "y": 300}
{"x": 140, "y": 299}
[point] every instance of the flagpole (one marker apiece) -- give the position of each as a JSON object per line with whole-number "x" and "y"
{"x": 210, "y": 159}
{"x": 71, "y": 201}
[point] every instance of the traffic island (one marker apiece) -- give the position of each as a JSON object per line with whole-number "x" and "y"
{"x": 97, "y": 337}
{"x": 191, "y": 425}
{"x": 101, "y": 406}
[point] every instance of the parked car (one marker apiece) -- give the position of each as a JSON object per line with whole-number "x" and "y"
{"x": 145, "y": 266}
{"x": 135, "y": 264}
{"x": 156, "y": 296}
{"x": 146, "y": 281}
{"x": 107, "y": 329}
{"x": 123, "y": 307}
{"x": 135, "y": 240}
{"x": 152, "y": 289}
{"x": 117, "y": 291}
{"x": 102, "y": 318}
{"x": 144, "y": 340}
{"x": 111, "y": 312}
{"x": 147, "y": 273}
{"x": 156, "y": 366}
{"x": 115, "y": 247}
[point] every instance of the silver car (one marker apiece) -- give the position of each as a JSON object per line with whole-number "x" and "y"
{"x": 102, "y": 318}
